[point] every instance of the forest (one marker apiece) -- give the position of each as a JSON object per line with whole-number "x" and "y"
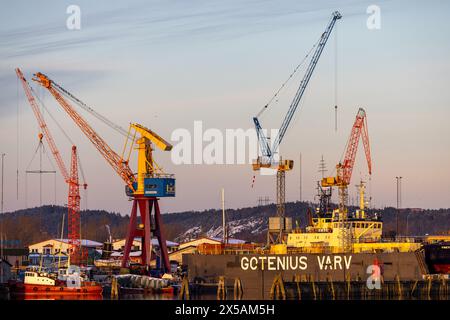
{"x": 27, "y": 226}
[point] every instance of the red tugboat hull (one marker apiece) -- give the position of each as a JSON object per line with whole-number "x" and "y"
{"x": 32, "y": 289}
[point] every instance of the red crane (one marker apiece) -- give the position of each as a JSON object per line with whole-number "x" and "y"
{"x": 344, "y": 169}
{"x": 71, "y": 178}
{"x": 359, "y": 129}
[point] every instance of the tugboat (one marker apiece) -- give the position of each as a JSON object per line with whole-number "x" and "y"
{"x": 69, "y": 281}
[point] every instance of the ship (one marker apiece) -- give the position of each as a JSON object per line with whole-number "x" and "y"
{"x": 437, "y": 257}
{"x": 332, "y": 249}
{"x": 65, "y": 282}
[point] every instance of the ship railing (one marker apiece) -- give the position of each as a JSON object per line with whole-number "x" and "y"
{"x": 325, "y": 250}
{"x": 159, "y": 175}
{"x": 409, "y": 239}
{"x": 209, "y": 248}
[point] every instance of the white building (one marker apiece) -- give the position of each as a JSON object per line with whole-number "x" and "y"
{"x": 56, "y": 246}
{"x": 119, "y": 245}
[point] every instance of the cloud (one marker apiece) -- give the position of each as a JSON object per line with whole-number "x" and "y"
{"x": 11, "y": 90}
{"x": 161, "y": 22}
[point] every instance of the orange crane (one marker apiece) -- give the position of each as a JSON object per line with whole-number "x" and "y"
{"x": 344, "y": 169}
{"x": 145, "y": 189}
{"x": 71, "y": 178}
{"x": 116, "y": 162}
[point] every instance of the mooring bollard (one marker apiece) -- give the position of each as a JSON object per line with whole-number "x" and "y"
{"x": 277, "y": 290}
{"x": 313, "y": 287}
{"x": 331, "y": 285}
{"x": 445, "y": 284}
{"x": 114, "y": 288}
{"x": 399, "y": 287}
{"x": 414, "y": 287}
{"x": 297, "y": 279}
{"x": 347, "y": 278}
{"x": 221, "y": 292}
{"x": 238, "y": 291}
{"x": 430, "y": 283}
{"x": 184, "y": 291}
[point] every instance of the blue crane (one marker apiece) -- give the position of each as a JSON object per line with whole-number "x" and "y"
{"x": 266, "y": 160}
{"x": 268, "y": 152}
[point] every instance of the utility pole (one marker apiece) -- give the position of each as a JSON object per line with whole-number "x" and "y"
{"x": 224, "y": 227}
{"x": 3, "y": 156}
{"x": 399, "y": 199}
{"x": 1, "y": 228}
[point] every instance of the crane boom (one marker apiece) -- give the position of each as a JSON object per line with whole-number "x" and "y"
{"x": 115, "y": 161}
{"x": 359, "y": 129}
{"x": 345, "y": 168}
{"x": 83, "y": 105}
{"x": 73, "y": 204}
{"x": 267, "y": 152}
{"x": 48, "y": 137}
{"x": 152, "y": 136}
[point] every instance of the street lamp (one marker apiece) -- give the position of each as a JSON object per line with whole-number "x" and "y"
{"x": 3, "y": 156}
{"x": 399, "y": 199}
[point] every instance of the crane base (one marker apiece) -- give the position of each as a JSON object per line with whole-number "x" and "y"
{"x": 145, "y": 230}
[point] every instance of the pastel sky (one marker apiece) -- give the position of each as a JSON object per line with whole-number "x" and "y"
{"x": 166, "y": 64}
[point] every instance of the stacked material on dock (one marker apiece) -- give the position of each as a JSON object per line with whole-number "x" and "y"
{"x": 142, "y": 282}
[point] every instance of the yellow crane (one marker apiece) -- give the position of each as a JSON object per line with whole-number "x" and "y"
{"x": 145, "y": 190}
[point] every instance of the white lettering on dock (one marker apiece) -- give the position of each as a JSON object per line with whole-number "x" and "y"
{"x": 335, "y": 263}
{"x": 347, "y": 262}
{"x": 303, "y": 263}
{"x": 254, "y": 263}
{"x": 285, "y": 263}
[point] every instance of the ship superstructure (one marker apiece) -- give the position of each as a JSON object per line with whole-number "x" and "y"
{"x": 326, "y": 230}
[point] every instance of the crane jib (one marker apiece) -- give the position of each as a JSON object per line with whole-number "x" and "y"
{"x": 298, "y": 96}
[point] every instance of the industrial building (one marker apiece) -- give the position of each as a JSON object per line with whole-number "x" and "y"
{"x": 52, "y": 249}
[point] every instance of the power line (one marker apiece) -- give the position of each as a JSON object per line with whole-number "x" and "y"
{"x": 3, "y": 160}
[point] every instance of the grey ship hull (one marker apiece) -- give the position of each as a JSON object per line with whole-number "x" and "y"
{"x": 257, "y": 272}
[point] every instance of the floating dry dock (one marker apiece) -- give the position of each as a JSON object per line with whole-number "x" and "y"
{"x": 317, "y": 276}
{"x": 343, "y": 256}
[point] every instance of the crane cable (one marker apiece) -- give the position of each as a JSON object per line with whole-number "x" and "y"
{"x": 99, "y": 116}
{"x": 34, "y": 155}
{"x": 281, "y": 88}
{"x": 64, "y": 133}
{"x": 287, "y": 80}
